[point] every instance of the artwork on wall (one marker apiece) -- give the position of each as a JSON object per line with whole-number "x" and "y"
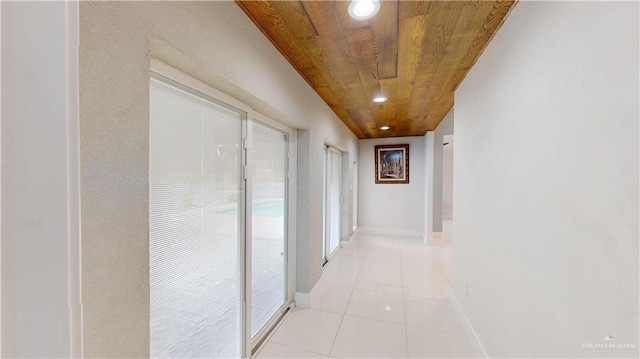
{"x": 392, "y": 164}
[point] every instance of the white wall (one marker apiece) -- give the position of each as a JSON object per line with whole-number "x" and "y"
{"x": 429, "y": 151}
{"x": 218, "y": 44}
{"x": 433, "y": 192}
{"x": 447, "y": 177}
{"x": 546, "y": 190}
{"x": 391, "y": 207}
{"x": 40, "y": 208}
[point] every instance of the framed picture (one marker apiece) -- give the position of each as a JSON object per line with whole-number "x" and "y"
{"x": 392, "y": 164}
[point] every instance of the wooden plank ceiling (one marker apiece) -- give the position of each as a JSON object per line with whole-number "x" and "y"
{"x": 413, "y": 52}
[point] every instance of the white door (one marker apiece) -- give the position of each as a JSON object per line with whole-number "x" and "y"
{"x": 333, "y": 180}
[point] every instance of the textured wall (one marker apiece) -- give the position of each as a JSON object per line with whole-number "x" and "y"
{"x": 212, "y": 41}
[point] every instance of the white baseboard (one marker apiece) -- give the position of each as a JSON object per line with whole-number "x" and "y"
{"x": 354, "y": 235}
{"x": 478, "y": 348}
{"x": 303, "y": 300}
{"x": 389, "y": 231}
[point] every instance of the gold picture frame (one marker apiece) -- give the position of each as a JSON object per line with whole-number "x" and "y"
{"x": 392, "y": 164}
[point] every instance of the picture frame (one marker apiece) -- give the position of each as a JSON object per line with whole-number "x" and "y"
{"x": 392, "y": 164}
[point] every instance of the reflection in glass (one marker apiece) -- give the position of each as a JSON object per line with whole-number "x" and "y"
{"x": 268, "y": 224}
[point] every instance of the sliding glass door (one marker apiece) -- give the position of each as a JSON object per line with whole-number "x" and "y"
{"x": 219, "y": 206}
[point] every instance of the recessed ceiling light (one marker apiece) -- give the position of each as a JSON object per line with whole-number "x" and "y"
{"x": 384, "y": 128}
{"x": 363, "y": 9}
{"x": 379, "y": 99}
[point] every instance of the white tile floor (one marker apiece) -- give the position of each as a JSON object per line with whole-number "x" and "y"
{"x": 384, "y": 297}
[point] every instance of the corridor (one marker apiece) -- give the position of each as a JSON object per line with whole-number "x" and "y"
{"x": 383, "y": 297}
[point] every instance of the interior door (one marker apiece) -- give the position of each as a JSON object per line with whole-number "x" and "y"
{"x": 333, "y": 180}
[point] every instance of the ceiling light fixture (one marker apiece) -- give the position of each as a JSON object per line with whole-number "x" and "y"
{"x": 384, "y": 128}
{"x": 379, "y": 99}
{"x": 363, "y": 9}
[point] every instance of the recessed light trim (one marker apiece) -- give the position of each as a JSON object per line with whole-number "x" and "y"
{"x": 363, "y": 9}
{"x": 379, "y": 99}
{"x": 384, "y": 128}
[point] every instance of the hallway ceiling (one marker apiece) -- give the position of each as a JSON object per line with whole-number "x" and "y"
{"x": 413, "y": 52}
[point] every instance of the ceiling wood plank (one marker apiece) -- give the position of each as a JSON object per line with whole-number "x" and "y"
{"x": 414, "y": 52}
{"x": 414, "y": 8}
{"x": 469, "y": 26}
{"x": 385, "y": 36}
{"x": 298, "y": 20}
{"x": 444, "y": 17}
{"x": 389, "y": 88}
{"x": 411, "y": 36}
{"x": 271, "y": 25}
{"x": 334, "y": 103}
{"x": 493, "y": 22}
{"x": 363, "y": 117}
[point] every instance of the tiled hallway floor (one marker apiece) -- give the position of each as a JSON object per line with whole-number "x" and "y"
{"x": 384, "y": 297}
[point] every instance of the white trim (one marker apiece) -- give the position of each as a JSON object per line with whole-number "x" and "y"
{"x": 303, "y": 300}
{"x": 478, "y": 348}
{"x": 351, "y": 240}
{"x": 335, "y": 145}
{"x": 73, "y": 183}
{"x": 0, "y": 180}
{"x": 178, "y": 76}
{"x": 268, "y": 122}
{"x": 246, "y": 240}
{"x": 292, "y": 191}
{"x": 389, "y": 231}
{"x": 275, "y": 329}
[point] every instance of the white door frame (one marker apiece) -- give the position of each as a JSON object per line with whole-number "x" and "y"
{"x": 290, "y": 133}
{"x": 327, "y": 208}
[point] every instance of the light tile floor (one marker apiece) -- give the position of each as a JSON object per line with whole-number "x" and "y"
{"x": 384, "y": 297}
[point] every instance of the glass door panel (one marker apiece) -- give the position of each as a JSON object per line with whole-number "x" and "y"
{"x": 269, "y": 224}
{"x": 195, "y": 231}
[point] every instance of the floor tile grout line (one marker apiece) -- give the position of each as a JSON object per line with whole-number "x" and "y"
{"x": 438, "y": 259}
{"x": 438, "y": 330}
{"x": 333, "y": 343}
{"x": 290, "y": 347}
{"x": 373, "y": 319}
{"x": 404, "y": 256}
